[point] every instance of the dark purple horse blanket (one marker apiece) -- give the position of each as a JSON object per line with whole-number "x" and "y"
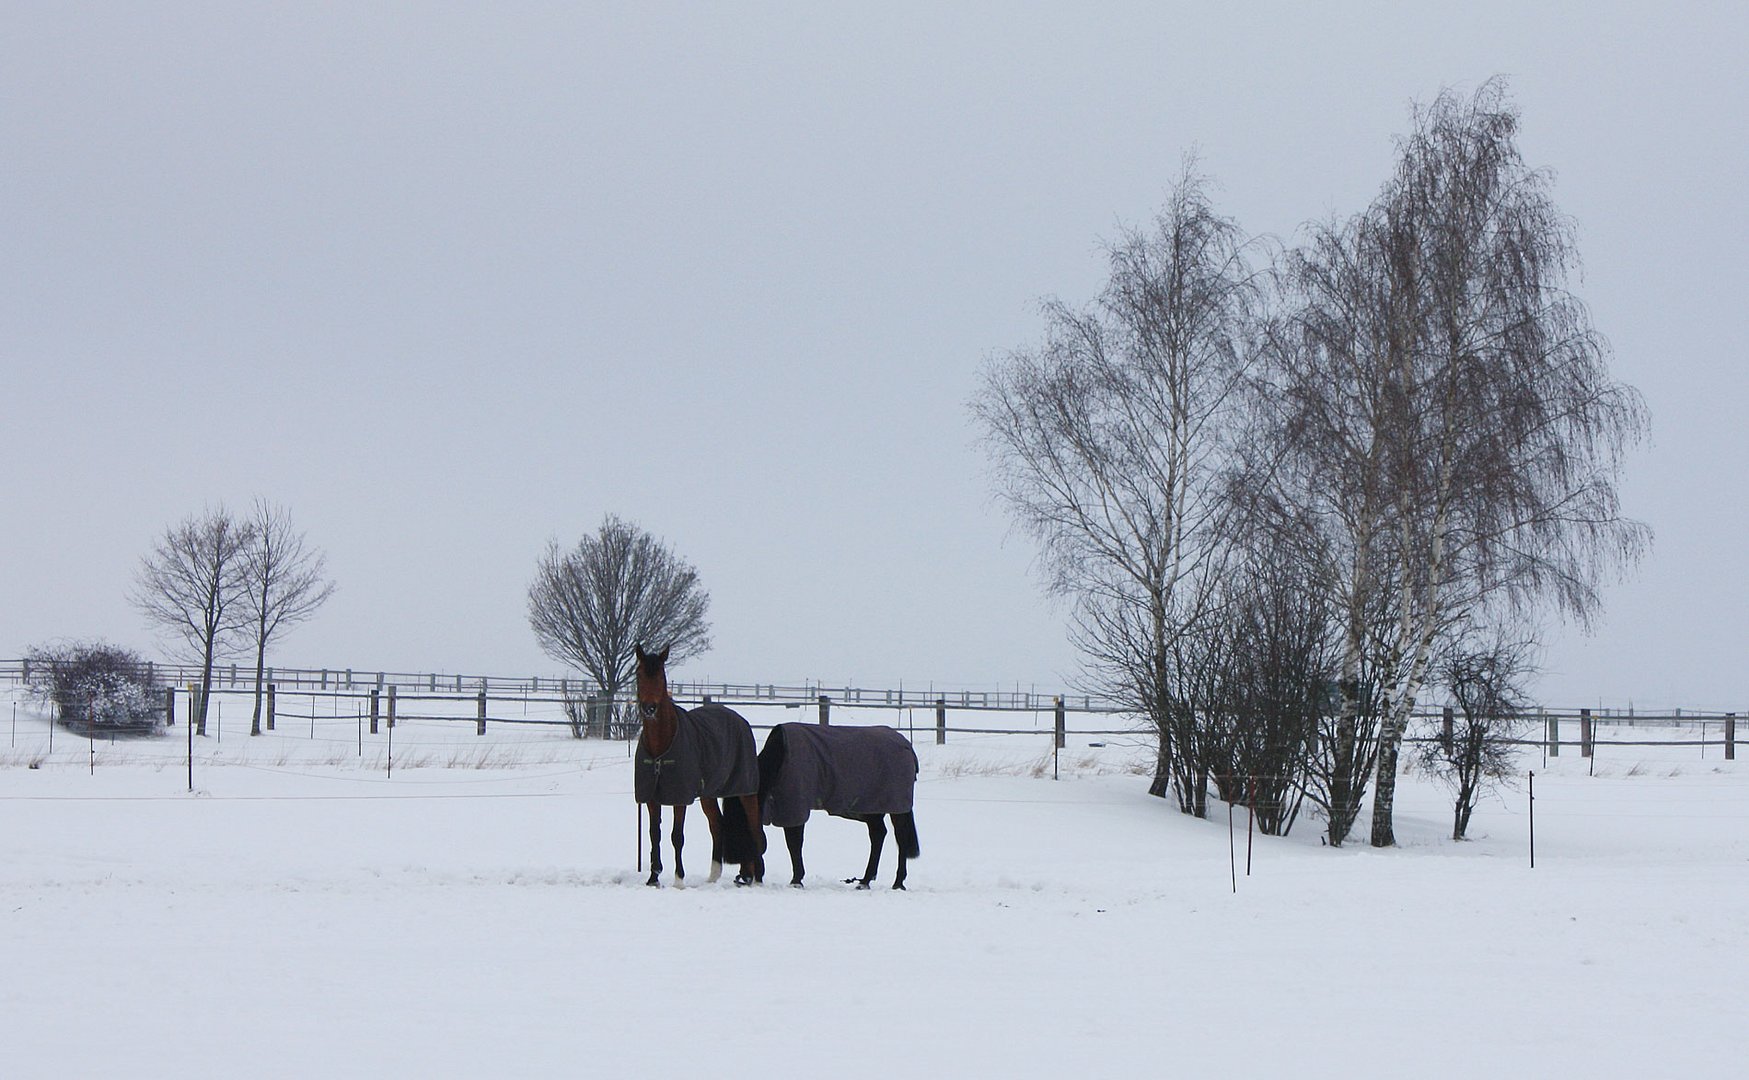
{"x": 713, "y": 756}
{"x": 847, "y": 771}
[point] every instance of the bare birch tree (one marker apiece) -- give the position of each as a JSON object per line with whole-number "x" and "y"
{"x": 192, "y": 587}
{"x": 286, "y": 583}
{"x": 1110, "y": 444}
{"x": 1451, "y": 417}
{"x": 590, "y": 607}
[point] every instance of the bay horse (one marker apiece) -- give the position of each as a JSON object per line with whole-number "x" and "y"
{"x": 860, "y": 773}
{"x": 705, "y": 753}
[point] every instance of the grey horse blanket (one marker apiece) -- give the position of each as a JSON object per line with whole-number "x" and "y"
{"x": 841, "y": 770}
{"x": 713, "y": 755}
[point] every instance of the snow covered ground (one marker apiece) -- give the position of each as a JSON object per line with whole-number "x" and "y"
{"x": 479, "y": 913}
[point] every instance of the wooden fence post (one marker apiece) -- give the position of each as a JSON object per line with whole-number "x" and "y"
{"x": 1730, "y": 736}
{"x": 375, "y": 709}
{"x": 1062, "y": 726}
{"x": 391, "y": 708}
{"x": 941, "y": 721}
{"x": 196, "y": 716}
{"x": 1585, "y": 733}
{"x": 170, "y": 706}
{"x": 1445, "y": 733}
{"x": 825, "y": 710}
{"x": 1554, "y": 735}
{"x": 270, "y": 709}
{"x": 481, "y": 729}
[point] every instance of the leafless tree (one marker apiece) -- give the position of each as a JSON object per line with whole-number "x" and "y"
{"x": 1485, "y": 676}
{"x": 590, "y": 607}
{"x": 193, "y": 587}
{"x": 286, "y": 583}
{"x": 1279, "y": 683}
{"x": 1110, "y": 444}
{"x": 1450, "y": 419}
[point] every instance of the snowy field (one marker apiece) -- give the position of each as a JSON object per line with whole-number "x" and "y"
{"x": 479, "y": 913}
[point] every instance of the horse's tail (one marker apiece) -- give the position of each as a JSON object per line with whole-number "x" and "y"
{"x": 905, "y": 833}
{"x": 738, "y": 844}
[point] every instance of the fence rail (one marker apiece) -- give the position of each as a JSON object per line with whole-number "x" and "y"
{"x": 1556, "y": 729}
{"x": 351, "y": 679}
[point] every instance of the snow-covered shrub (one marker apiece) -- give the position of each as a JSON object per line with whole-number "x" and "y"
{"x": 97, "y": 685}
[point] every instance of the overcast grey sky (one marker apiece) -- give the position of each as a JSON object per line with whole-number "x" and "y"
{"x": 450, "y": 282}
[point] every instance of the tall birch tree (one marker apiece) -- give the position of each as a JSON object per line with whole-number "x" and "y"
{"x": 1453, "y": 419}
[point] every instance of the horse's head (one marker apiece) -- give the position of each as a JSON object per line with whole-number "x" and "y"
{"x": 652, "y": 677}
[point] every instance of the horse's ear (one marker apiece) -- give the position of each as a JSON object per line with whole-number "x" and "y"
{"x": 639, "y": 649}
{"x": 662, "y": 657}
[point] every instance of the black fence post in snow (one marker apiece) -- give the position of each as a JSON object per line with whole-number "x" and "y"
{"x": 375, "y": 706}
{"x": 825, "y": 710}
{"x": 1730, "y": 736}
{"x": 481, "y": 728}
{"x": 170, "y": 706}
{"x": 271, "y": 692}
{"x": 1062, "y": 724}
{"x": 1533, "y": 819}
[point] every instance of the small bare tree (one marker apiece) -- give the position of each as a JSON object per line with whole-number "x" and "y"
{"x": 590, "y": 607}
{"x": 285, "y": 583}
{"x": 1485, "y": 678}
{"x": 193, "y": 587}
{"x": 1110, "y": 444}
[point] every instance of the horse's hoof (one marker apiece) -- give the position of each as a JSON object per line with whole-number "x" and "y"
{"x": 900, "y": 885}
{"x": 654, "y": 883}
{"x": 742, "y": 881}
{"x": 795, "y": 884}
{"x": 861, "y": 886}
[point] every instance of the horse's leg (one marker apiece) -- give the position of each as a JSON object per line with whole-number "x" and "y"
{"x": 750, "y": 803}
{"x": 753, "y": 870}
{"x": 877, "y": 839}
{"x": 792, "y": 836}
{"x": 679, "y": 842}
{"x": 714, "y": 819}
{"x": 899, "y": 846}
{"x": 655, "y": 844}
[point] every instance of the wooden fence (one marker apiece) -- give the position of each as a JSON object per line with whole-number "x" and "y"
{"x": 385, "y": 697}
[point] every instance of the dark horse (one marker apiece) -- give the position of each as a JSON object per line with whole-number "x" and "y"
{"x": 861, "y": 773}
{"x": 705, "y": 753}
